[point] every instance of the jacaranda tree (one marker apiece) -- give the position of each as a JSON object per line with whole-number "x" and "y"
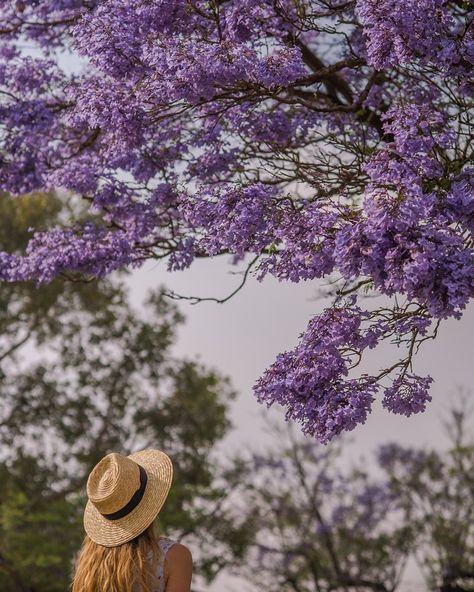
{"x": 319, "y": 527}
{"x": 326, "y": 526}
{"x": 304, "y": 138}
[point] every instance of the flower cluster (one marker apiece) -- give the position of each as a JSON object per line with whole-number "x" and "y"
{"x": 399, "y": 32}
{"x": 419, "y": 134}
{"x": 311, "y": 381}
{"x": 408, "y": 394}
{"x": 231, "y": 221}
{"x": 90, "y": 250}
{"x": 404, "y": 251}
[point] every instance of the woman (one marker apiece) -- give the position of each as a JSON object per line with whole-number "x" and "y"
{"x": 121, "y": 552}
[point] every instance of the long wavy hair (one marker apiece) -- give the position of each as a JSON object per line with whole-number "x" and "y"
{"x": 125, "y": 568}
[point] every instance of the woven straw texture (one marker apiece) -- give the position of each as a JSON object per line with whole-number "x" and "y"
{"x": 111, "y": 485}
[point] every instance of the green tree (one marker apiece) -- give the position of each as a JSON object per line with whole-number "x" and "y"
{"x": 83, "y": 374}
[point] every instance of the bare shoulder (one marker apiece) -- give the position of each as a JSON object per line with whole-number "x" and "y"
{"x": 179, "y": 553}
{"x": 178, "y": 568}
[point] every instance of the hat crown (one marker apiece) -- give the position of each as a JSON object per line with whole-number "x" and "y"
{"x": 112, "y": 482}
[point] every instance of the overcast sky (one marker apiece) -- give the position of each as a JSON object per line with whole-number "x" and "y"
{"x": 242, "y": 337}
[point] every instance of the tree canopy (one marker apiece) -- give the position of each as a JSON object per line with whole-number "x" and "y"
{"x": 305, "y": 139}
{"x": 83, "y": 373}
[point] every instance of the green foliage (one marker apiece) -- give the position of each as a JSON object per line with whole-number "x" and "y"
{"x": 38, "y": 539}
{"x": 83, "y": 374}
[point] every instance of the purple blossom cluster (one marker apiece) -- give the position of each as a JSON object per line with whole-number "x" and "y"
{"x": 305, "y": 240}
{"x": 419, "y": 133}
{"x": 401, "y": 32}
{"x": 89, "y": 251}
{"x": 311, "y": 381}
{"x": 408, "y": 394}
{"x": 406, "y": 250}
{"x": 236, "y": 221}
{"x": 194, "y": 129}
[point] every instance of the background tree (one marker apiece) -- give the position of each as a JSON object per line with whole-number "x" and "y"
{"x": 326, "y": 523}
{"x": 321, "y": 526}
{"x": 26, "y": 313}
{"x": 436, "y": 489}
{"x": 87, "y": 374}
{"x": 323, "y": 138}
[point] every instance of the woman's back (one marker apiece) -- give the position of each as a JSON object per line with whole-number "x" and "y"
{"x": 121, "y": 552}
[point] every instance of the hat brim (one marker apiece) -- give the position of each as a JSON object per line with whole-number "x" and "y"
{"x": 111, "y": 533}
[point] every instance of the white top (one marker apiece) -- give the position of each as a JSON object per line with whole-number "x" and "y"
{"x": 165, "y": 543}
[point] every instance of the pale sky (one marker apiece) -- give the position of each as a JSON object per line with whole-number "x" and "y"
{"x": 242, "y": 337}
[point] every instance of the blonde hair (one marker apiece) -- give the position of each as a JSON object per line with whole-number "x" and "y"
{"x": 124, "y": 568}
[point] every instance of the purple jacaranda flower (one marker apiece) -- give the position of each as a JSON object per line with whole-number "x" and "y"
{"x": 329, "y": 143}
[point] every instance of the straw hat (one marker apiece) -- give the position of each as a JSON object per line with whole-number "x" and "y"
{"x": 125, "y": 495}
